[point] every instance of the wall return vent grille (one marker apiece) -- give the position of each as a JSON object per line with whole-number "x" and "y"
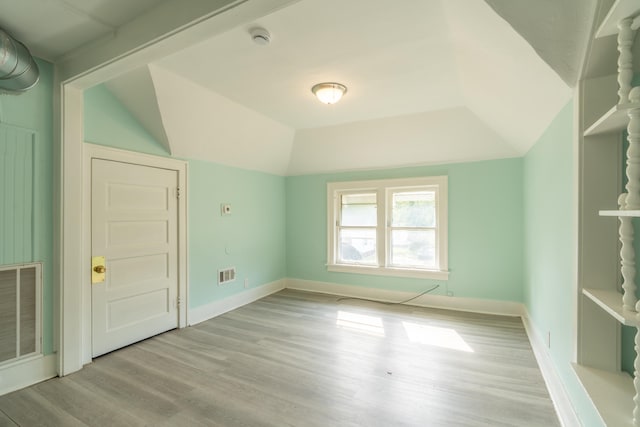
{"x": 227, "y": 275}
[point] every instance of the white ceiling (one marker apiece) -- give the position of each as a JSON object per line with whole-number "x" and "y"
{"x": 557, "y": 30}
{"x": 51, "y": 28}
{"x": 401, "y": 55}
{"x": 433, "y": 81}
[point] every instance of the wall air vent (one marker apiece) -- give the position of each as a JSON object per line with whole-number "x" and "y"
{"x": 21, "y": 309}
{"x": 18, "y": 70}
{"x": 227, "y": 275}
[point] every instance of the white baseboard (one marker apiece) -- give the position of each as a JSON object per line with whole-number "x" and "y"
{"x": 27, "y": 372}
{"x": 216, "y": 308}
{"x": 505, "y": 308}
{"x": 559, "y": 396}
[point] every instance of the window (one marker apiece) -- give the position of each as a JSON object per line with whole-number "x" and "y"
{"x": 393, "y": 227}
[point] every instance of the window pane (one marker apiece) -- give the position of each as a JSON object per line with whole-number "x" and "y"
{"x": 414, "y": 209}
{"x": 359, "y": 210}
{"x": 413, "y": 248}
{"x": 357, "y": 246}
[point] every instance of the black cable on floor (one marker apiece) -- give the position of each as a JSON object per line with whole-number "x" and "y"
{"x": 391, "y": 303}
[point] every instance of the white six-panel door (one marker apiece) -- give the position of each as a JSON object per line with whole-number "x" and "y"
{"x": 134, "y": 225}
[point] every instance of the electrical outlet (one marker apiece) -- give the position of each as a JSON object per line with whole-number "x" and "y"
{"x": 548, "y": 339}
{"x": 246, "y": 283}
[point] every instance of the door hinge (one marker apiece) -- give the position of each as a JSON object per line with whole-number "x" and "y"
{"x": 177, "y": 192}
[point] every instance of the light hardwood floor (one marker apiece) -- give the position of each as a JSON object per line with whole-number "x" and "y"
{"x": 304, "y": 359}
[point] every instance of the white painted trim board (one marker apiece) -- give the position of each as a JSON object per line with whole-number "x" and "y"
{"x": 24, "y": 373}
{"x": 557, "y": 391}
{"x": 216, "y": 308}
{"x": 504, "y": 308}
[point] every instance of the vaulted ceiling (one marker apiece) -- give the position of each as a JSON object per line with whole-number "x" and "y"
{"x": 429, "y": 81}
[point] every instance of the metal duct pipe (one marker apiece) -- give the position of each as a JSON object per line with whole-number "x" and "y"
{"x": 18, "y": 70}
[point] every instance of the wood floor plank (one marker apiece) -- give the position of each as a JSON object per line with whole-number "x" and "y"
{"x": 304, "y": 359}
{"x": 5, "y": 421}
{"x": 84, "y": 404}
{"x": 29, "y": 408}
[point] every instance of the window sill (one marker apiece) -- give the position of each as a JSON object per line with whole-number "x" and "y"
{"x": 388, "y": 271}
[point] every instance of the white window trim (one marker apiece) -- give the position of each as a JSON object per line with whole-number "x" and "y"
{"x": 384, "y": 188}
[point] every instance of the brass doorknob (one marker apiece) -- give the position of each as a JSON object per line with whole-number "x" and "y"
{"x": 99, "y": 269}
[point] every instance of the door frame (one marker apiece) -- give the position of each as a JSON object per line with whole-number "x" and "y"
{"x": 143, "y": 41}
{"x": 93, "y": 151}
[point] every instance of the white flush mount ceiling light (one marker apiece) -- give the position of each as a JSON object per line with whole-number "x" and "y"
{"x": 329, "y": 93}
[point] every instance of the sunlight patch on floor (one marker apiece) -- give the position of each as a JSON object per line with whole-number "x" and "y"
{"x": 436, "y": 336}
{"x": 360, "y": 323}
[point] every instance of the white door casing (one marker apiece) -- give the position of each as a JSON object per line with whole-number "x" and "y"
{"x": 92, "y": 152}
{"x": 134, "y": 226}
{"x": 72, "y": 336}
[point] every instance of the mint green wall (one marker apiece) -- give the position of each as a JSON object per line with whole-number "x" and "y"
{"x": 549, "y": 249}
{"x": 252, "y": 238}
{"x": 33, "y": 110}
{"x": 485, "y": 229}
{"x": 107, "y": 122}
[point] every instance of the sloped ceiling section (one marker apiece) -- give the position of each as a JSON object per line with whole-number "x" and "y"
{"x": 136, "y": 91}
{"x": 202, "y": 124}
{"x": 504, "y": 81}
{"x": 557, "y": 30}
{"x": 433, "y": 81}
{"x": 446, "y": 136}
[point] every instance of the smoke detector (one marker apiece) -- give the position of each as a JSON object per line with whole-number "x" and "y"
{"x": 260, "y": 36}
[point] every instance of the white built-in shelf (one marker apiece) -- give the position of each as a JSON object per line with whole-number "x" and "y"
{"x": 611, "y": 302}
{"x": 611, "y": 393}
{"x": 620, "y": 213}
{"x": 614, "y": 120}
{"x": 620, "y": 10}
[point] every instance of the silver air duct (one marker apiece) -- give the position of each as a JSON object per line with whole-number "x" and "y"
{"x": 18, "y": 70}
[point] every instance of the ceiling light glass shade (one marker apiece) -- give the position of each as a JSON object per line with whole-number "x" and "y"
{"x": 329, "y": 93}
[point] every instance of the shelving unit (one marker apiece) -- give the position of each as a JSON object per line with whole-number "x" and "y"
{"x": 619, "y": 11}
{"x": 611, "y": 302}
{"x": 606, "y": 305}
{"x": 614, "y": 120}
{"x": 618, "y": 213}
{"x": 607, "y": 388}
